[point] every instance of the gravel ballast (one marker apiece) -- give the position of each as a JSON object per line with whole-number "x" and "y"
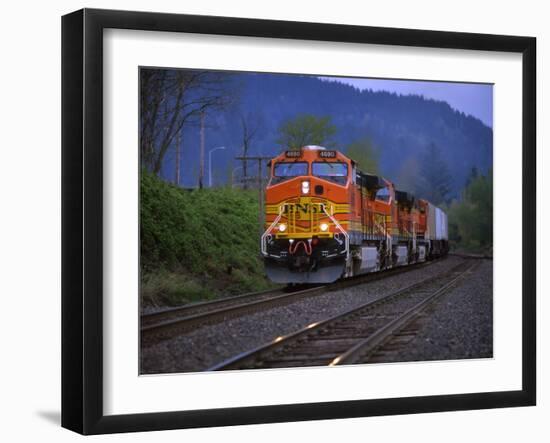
{"x": 209, "y": 345}
{"x": 457, "y": 326}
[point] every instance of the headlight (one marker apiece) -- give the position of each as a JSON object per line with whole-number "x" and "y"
{"x": 305, "y": 187}
{"x": 282, "y": 227}
{"x": 324, "y": 227}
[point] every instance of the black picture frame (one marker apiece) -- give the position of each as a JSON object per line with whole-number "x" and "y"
{"x": 82, "y": 218}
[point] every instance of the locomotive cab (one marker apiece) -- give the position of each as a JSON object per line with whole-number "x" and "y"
{"x": 307, "y": 200}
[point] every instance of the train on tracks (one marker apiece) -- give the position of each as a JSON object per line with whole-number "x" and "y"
{"x": 326, "y": 220}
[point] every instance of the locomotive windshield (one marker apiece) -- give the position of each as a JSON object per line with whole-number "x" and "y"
{"x": 383, "y": 194}
{"x": 286, "y": 170}
{"x": 333, "y": 171}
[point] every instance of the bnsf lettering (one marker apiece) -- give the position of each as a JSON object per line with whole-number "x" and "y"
{"x": 299, "y": 207}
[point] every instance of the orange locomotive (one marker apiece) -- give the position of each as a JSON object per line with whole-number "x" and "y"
{"x": 325, "y": 220}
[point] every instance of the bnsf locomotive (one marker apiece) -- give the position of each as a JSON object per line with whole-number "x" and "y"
{"x": 325, "y": 220}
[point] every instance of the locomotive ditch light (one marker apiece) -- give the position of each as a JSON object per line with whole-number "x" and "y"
{"x": 324, "y": 227}
{"x": 305, "y": 187}
{"x": 282, "y": 227}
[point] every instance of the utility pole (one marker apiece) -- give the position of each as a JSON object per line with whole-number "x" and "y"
{"x": 178, "y": 153}
{"x": 201, "y": 165}
{"x": 245, "y": 183}
{"x": 233, "y": 175}
{"x": 210, "y": 164}
{"x": 259, "y": 159}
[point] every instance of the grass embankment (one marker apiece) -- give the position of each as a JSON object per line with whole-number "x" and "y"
{"x": 197, "y": 244}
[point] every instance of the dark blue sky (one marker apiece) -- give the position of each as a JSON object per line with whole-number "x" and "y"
{"x": 471, "y": 98}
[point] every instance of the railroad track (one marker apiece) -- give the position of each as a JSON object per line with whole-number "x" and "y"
{"x": 207, "y": 306}
{"x": 166, "y": 324}
{"x": 351, "y": 337}
{"x": 174, "y": 321}
{"x": 476, "y": 256}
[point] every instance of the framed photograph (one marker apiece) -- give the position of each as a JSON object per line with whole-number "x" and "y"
{"x": 269, "y": 221}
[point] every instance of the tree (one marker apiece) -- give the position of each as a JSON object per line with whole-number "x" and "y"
{"x": 365, "y": 154}
{"x": 251, "y": 124}
{"x": 435, "y": 178}
{"x": 171, "y": 99}
{"x": 306, "y": 129}
{"x": 471, "y": 218}
{"x": 407, "y": 176}
{"x": 474, "y": 173}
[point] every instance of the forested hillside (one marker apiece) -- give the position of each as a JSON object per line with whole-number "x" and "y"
{"x": 402, "y": 128}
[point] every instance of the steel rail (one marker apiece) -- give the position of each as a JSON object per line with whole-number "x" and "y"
{"x": 164, "y": 329}
{"x": 169, "y": 328}
{"x": 467, "y": 255}
{"x": 252, "y": 357}
{"x": 364, "y": 348}
{"x": 204, "y": 306}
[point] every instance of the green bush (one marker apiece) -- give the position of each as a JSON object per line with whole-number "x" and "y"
{"x": 197, "y": 244}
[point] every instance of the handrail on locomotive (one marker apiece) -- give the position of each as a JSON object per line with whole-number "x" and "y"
{"x": 266, "y": 236}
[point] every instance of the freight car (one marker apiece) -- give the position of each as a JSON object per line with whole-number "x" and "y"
{"x": 325, "y": 220}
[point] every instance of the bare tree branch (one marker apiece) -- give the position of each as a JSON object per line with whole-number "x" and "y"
{"x": 250, "y": 124}
{"x": 171, "y": 99}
